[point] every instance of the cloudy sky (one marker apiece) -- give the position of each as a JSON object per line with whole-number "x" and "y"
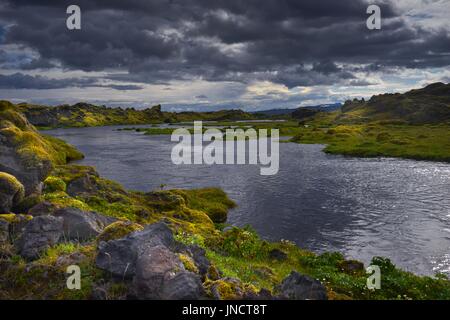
{"x": 214, "y": 54}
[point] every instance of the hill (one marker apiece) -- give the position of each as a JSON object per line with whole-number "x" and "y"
{"x": 292, "y": 111}
{"x": 88, "y": 115}
{"x": 428, "y": 105}
{"x": 413, "y": 125}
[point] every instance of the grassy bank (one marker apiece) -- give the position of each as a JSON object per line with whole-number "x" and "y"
{"x": 422, "y": 142}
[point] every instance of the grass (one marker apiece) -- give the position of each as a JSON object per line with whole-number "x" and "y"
{"x": 241, "y": 254}
{"x": 421, "y": 142}
{"x": 32, "y": 147}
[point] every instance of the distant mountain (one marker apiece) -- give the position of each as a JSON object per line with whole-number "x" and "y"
{"x": 280, "y": 112}
{"x": 325, "y": 107}
{"x": 420, "y": 106}
{"x": 274, "y": 112}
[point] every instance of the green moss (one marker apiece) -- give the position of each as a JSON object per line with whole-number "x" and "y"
{"x": 373, "y": 140}
{"x": 15, "y": 218}
{"x": 213, "y": 201}
{"x": 188, "y": 262}
{"x": 32, "y": 147}
{"x": 45, "y": 278}
{"x": 9, "y": 217}
{"x": 118, "y": 229}
{"x": 28, "y": 202}
{"x": 54, "y": 184}
{"x": 11, "y": 186}
{"x": 229, "y": 289}
{"x": 50, "y": 256}
{"x": 62, "y": 199}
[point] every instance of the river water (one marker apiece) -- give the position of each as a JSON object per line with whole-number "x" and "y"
{"x": 395, "y": 208}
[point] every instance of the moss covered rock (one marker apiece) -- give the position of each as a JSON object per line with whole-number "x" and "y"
{"x": 28, "y": 202}
{"x": 27, "y": 154}
{"x": 230, "y": 289}
{"x": 54, "y": 184}
{"x": 118, "y": 229}
{"x": 11, "y": 192}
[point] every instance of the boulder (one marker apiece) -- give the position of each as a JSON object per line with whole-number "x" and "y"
{"x": 301, "y": 287}
{"x": 12, "y": 192}
{"x": 39, "y": 234}
{"x": 28, "y": 202}
{"x": 28, "y": 169}
{"x": 154, "y": 267}
{"x": 119, "y": 256}
{"x": 4, "y": 231}
{"x": 183, "y": 286}
{"x": 82, "y": 225}
{"x": 83, "y": 185}
{"x": 26, "y": 154}
{"x": 17, "y": 224}
{"x": 43, "y": 209}
{"x": 118, "y": 230}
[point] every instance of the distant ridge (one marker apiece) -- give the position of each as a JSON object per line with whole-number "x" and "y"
{"x": 288, "y": 111}
{"x": 88, "y": 115}
{"x": 430, "y": 104}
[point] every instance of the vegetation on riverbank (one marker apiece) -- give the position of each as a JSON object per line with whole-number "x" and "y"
{"x": 28, "y": 143}
{"x": 197, "y": 217}
{"x": 424, "y": 142}
{"x": 413, "y": 125}
{"x": 88, "y": 115}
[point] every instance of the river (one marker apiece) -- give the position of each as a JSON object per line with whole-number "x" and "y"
{"x": 388, "y": 207}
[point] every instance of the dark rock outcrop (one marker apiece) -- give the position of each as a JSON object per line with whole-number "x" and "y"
{"x": 151, "y": 259}
{"x": 184, "y": 285}
{"x": 119, "y": 256}
{"x": 82, "y": 185}
{"x": 300, "y": 287}
{"x": 42, "y": 209}
{"x": 39, "y": 234}
{"x": 82, "y": 225}
{"x": 154, "y": 267}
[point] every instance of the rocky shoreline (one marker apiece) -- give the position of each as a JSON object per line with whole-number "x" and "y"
{"x": 167, "y": 244}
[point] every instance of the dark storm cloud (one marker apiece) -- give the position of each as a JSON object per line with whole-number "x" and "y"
{"x": 24, "y": 81}
{"x": 286, "y": 41}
